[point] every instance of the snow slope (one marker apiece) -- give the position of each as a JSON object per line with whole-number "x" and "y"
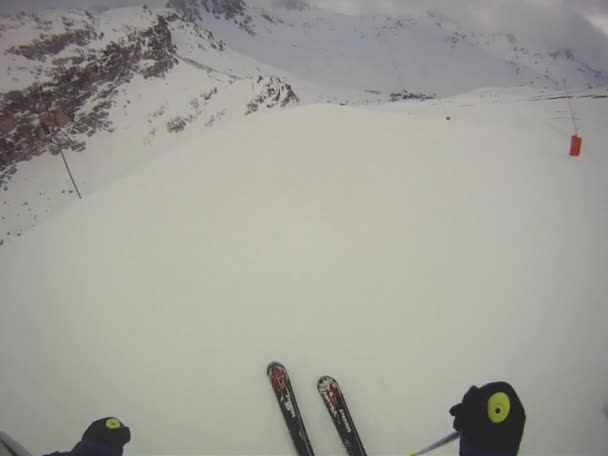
{"x": 405, "y": 255}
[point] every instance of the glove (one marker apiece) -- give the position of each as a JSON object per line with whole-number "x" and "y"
{"x": 491, "y": 420}
{"x": 104, "y": 437}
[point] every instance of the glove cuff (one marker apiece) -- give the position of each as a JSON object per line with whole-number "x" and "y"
{"x": 86, "y": 447}
{"x": 466, "y": 449}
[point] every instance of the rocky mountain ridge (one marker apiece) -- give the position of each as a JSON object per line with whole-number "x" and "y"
{"x": 78, "y": 77}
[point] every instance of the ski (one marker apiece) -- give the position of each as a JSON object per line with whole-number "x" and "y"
{"x": 281, "y": 385}
{"x": 336, "y": 406}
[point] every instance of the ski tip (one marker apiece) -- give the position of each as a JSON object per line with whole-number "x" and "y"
{"x": 413, "y": 453}
{"x": 272, "y": 365}
{"x": 326, "y": 379}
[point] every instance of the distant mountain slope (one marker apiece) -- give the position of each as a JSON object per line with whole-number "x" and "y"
{"x": 425, "y": 52}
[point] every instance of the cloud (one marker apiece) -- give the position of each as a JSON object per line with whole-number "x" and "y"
{"x": 600, "y": 21}
{"x": 13, "y": 6}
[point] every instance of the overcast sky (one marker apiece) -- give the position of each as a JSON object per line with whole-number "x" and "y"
{"x": 546, "y": 24}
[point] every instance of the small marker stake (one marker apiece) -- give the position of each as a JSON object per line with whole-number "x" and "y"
{"x": 577, "y": 141}
{"x": 575, "y": 146}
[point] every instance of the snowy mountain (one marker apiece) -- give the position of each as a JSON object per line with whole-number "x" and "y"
{"x": 113, "y": 89}
{"x": 407, "y": 255}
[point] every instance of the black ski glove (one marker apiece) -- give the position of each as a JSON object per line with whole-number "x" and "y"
{"x": 109, "y": 432}
{"x": 491, "y": 420}
{"x": 104, "y": 437}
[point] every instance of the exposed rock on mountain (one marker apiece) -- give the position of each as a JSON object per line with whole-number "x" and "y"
{"x": 271, "y": 92}
{"x": 406, "y": 95}
{"x": 50, "y": 116}
{"x": 196, "y": 10}
{"x": 53, "y": 44}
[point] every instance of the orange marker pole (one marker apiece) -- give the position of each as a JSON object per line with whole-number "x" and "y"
{"x": 575, "y": 146}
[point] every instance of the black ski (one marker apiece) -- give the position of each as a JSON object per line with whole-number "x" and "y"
{"x": 279, "y": 379}
{"x": 336, "y": 406}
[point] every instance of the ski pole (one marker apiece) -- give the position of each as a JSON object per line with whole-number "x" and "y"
{"x": 439, "y": 443}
